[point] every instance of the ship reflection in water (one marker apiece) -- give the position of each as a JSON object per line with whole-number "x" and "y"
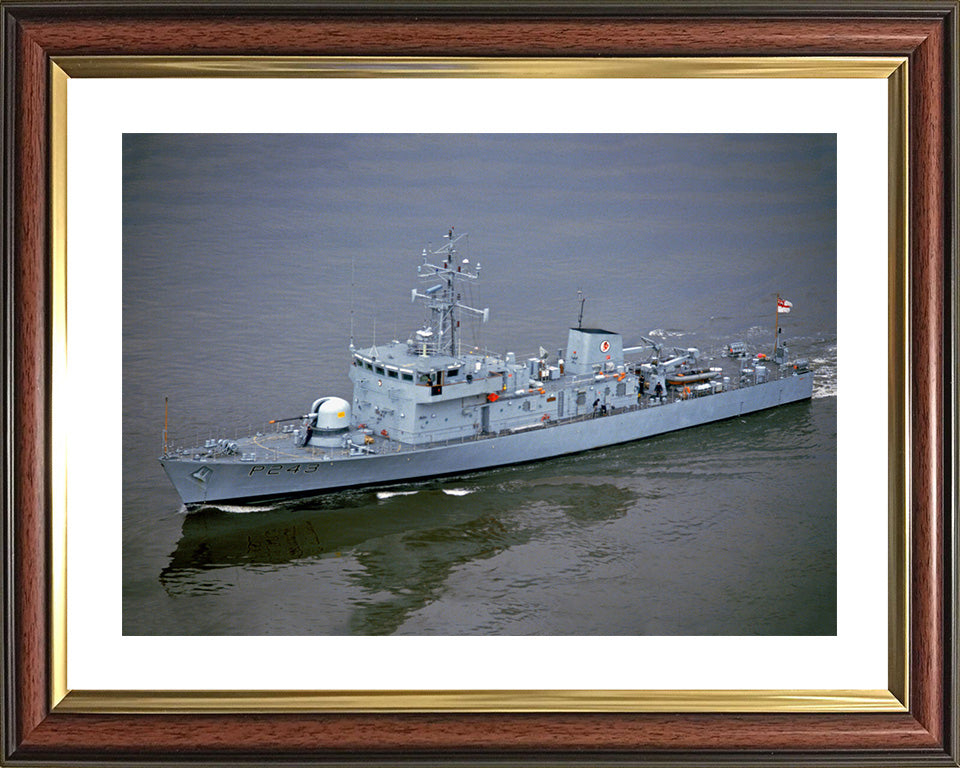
{"x": 392, "y": 550}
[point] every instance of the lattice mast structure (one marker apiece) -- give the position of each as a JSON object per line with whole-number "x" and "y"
{"x": 443, "y": 299}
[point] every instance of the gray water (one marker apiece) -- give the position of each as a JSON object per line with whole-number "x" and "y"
{"x": 250, "y": 260}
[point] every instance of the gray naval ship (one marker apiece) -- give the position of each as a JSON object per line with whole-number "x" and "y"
{"x": 424, "y": 408}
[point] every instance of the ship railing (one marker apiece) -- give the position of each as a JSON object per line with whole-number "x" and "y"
{"x": 188, "y": 438}
{"x": 402, "y": 440}
{"x": 191, "y": 438}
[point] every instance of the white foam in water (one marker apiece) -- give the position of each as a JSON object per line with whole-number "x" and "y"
{"x": 825, "y": 374}
{"x": 824, "y": 388}
{"x": 664, "y": 334}
{"x": 239, "y": 509}
{"x": 457, "y": 491}
{"x": 390, "y": 494}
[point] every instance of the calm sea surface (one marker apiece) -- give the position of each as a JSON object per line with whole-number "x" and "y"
{"x": 250, "y": 260}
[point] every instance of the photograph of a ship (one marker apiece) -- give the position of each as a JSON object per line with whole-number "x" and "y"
{"x": 447, "y": 384}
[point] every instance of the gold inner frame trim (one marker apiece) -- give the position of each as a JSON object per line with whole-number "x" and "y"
{"x": 425, "y": 66}
{"x": 226, "y": 702}
{"x": 58, "y": 368}
{"x": 893, "y": 69}
{"x": 898, "y": 383}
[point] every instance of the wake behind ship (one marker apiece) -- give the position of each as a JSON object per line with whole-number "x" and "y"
{"x": 424, "y": 408}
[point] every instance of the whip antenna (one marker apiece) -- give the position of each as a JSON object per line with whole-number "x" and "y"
{"x": 353, "y": 267}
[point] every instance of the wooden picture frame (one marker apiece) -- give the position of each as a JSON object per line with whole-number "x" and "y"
{"x": 36, "y": 730}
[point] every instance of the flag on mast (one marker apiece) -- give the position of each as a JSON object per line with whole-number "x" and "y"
{"x": 783, "y": 306}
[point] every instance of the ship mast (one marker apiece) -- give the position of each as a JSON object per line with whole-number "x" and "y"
{"x": 776, "y": 330}
{"x": 443, "y": 298}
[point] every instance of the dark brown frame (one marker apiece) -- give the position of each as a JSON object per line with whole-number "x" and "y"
{"x": 925, "y": 32}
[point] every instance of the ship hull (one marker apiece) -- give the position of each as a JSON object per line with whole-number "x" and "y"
{"x": 201, "y": 481}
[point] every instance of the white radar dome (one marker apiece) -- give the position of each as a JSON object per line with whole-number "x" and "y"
{"x": 332, "y": 413}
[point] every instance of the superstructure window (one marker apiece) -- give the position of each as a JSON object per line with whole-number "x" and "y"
{"x": 379, "y": 369}
{"x": 391, "y": 374}
{"x": 406, "y": 376}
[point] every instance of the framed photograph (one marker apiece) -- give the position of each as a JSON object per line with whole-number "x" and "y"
{"x": 207, "y": 204}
